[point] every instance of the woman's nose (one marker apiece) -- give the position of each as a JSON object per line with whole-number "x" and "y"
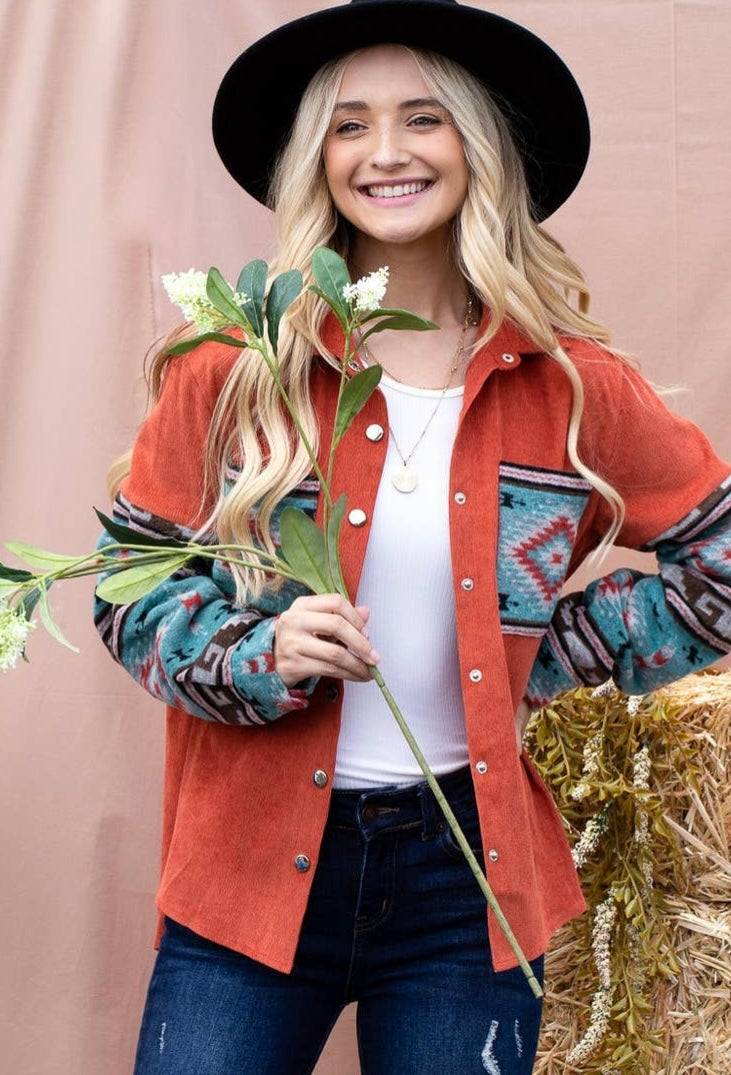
{"x": 389, "y": 150}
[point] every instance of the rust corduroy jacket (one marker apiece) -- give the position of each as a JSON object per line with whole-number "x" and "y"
{"x": 241, "y": 805}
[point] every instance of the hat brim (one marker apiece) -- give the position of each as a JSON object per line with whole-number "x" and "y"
{"x": 259, "y": 95}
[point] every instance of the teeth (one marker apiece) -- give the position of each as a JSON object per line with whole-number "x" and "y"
{"x": 397, "y": 191}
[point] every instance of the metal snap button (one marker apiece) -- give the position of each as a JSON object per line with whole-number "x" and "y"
{"x": 475, "y": 675}
{"x": 508, "y": 358}
{"x": 332, "y": 693}
{"x": 374, "y": 432}
{"x": 357, "y": 517}
{"x": 493, "y": 855}
{"x": 481, "y": 767}
{"x": 467, "y": 584}
{"x": 320, "y": 778}
{"x": 302, "y": 863}
{"x": 460, "y": 498}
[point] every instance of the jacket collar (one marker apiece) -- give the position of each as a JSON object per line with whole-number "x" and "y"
{"x": 504, "y": 352}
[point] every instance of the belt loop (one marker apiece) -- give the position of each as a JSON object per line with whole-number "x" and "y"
{"x": 430, "y": 811}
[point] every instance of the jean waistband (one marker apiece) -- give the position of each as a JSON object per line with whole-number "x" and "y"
{"x": 394, "y": 807}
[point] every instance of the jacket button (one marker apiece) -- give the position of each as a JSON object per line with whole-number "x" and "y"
{"x": 332, "y": 693}
{"x": 481, "y": 767}
{"x": 319, "y": 778}
{"x": 475, "y": 675}
{"x": 459, "y": 498}
{"x": 493, "y": 855}
{"x": 357, "y": 517}
{"x": 508, "y": 358}
{"x": 374, "y": 432}
{"x": 301, "y": 863}
{"x": 467, "y": 584}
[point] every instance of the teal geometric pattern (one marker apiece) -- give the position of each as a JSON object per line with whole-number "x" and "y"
{"x": 540, "y": 512}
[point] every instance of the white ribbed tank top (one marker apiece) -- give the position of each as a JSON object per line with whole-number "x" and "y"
{"x": 407, "y": 585}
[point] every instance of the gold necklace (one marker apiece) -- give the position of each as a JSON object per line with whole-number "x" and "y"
{"x": 404, "y": 478}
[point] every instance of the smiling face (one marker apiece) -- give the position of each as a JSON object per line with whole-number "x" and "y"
{"x": 394, "y": 162}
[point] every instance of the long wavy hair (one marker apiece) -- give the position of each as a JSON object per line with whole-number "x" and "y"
{"x": 515, "y": 268}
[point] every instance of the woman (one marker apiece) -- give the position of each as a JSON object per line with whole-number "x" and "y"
{"x": 305, "y": 864}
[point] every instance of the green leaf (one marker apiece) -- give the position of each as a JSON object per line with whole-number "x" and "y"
{"x": 124, "y": 535}
{"x": 284, "y": 290}
{"x": 190, "y": 345}
{"x": 14, "y": 574}
{"x": 252, "y": 282}
{"x": 399, "y": 321}
{"x": 303, "y": 547}
{"x": 221, "y": 295}
{"x": 418, "y": 324}
{"x": 356, "y": 393}
{"x": 48, "y": 623}
{"x": 332, "y": 539}
{"x": 131, "y": 583}
{"x": 30, "y": 601}
{"x": 40, "y": 558}
{"x": 331, "y": 274}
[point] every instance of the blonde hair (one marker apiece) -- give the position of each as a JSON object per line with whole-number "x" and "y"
{"x": 513, "y": 266}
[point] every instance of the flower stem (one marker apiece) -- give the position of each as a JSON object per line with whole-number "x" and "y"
{"x": 458, "y": 834}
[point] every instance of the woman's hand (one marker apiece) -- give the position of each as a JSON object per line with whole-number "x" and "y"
{"x": 522, "y": 716}
{"x": 323, "y": 635}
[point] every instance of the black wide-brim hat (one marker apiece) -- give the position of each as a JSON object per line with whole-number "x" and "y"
{"x": 258, "y": 98}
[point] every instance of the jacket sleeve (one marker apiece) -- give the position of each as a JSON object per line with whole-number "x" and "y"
{"x": 187, "y": 642}
{"x": 647, "y": 630}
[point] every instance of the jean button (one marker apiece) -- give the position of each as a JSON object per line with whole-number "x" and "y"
{"x": 369, "y": 813}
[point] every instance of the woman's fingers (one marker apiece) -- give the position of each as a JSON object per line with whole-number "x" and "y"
{"x": 323, "y": 635}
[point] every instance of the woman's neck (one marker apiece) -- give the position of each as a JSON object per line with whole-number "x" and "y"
{"x": 422, "y": 277}
{"x": 424, "y": 280}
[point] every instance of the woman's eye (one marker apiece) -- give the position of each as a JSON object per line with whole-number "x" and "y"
{"x": 424, "y": 121}
{"x": 349, "y": 126}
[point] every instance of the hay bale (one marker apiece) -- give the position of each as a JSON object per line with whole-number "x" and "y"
{"x": 654, "y": 772}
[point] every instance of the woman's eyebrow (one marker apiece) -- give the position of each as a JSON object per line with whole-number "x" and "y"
{"x": 363, "y": 106}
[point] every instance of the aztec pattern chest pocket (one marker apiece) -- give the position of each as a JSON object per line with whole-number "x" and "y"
{"x": 540, "y": 512}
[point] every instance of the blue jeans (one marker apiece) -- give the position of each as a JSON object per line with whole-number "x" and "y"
{"x": 395, "y": 922}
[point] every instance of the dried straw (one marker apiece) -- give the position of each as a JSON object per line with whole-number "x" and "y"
{"x": 692, "y": 1011}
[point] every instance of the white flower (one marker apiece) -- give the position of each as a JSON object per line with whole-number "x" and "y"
{"x": 14, "y": 630}
{"x": 601, "y": 1005}
{"x": 641, "y": 768}
{"x": 641, "y": 782}
{"x": 593, "y": 831}
{"x": 592, "y": 753}
{"x": 634, "y": 701}
{"x": 604, "y": 689}
{"x": 368, "y": 293}
{"x": 188, "y": 291}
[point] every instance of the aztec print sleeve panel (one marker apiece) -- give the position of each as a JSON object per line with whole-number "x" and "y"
{"x": 189, "y": 645}
{"x": 644, "y": 631}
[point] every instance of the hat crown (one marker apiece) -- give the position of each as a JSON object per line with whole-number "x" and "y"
{"x": 423, "y": 1}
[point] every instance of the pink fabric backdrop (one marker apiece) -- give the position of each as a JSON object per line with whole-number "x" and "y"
{"x": 109, "y": 179}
